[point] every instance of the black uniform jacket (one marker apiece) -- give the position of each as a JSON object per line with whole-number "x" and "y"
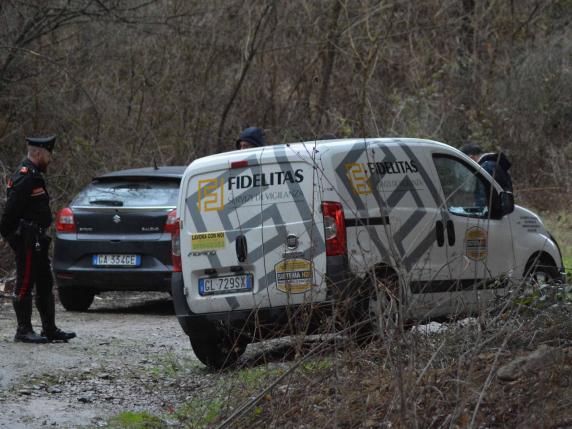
{"x": 26, "y": 198}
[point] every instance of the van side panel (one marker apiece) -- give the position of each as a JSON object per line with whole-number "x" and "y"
{"x": 392, "y": 208}
{"x": 386, "y": 189}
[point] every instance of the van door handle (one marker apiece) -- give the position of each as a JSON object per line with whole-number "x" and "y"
{"x": 440, "y": 232}
{"x": 241, "y": 248}
{"x": 450, "y": 232}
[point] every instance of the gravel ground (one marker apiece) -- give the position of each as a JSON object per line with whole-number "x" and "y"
{"x": 118, "y": 362}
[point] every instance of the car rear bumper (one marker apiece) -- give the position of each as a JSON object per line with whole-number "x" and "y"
{"x": 115, "y": 280}
{"x": 73, "y": 265}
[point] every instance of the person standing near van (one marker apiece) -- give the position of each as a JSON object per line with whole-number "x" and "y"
{"x": 496, "y": 164}
{"x": 251, "y": 137}
{"x": 24, "y": 225}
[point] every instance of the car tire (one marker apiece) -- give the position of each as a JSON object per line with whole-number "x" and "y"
{"x": 75, "y": 300}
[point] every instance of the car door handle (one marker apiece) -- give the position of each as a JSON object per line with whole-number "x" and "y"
{"x": 440, "y": 232}
{"x": 450, "y": 232}
{"x": 241, "y": 248}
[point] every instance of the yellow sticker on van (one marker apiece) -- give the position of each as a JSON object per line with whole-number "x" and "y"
{"x": 294, "y": 275}
{"x": 207, "y": 241}
{"x": 476, "y": 243}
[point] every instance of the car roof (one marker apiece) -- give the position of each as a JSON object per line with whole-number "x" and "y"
{"x": 163, "y": 172}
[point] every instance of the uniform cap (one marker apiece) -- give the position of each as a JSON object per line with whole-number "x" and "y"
{"x": 43, "y": 142}
{"x": 252, "y": 135}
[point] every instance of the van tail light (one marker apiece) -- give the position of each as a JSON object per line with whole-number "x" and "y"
{"x": 334, "y": 228}
{"x": 175, "y": 244}
{"x": 65, "y": 221}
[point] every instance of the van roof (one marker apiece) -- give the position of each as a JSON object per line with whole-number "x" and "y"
{"x": 302, "y": 151}
{"x": 387, "y": 140}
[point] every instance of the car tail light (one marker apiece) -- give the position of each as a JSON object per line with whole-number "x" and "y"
{"x": 334, "y": 228}
{"x": 65, "y": 221}
{"x": 171, "y": 224}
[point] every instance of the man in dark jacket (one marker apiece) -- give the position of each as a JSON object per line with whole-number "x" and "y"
{"x": 496, "y": 164}
{"x": 251, "y": 137}
{"x": 24, "y": 224}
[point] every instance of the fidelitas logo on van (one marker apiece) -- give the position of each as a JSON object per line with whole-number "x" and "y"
{"x": 211, "y": 195}
{"x": 211, "y": 191}
{"x": 359, "y": 173}
{"x": 294, "y": 275}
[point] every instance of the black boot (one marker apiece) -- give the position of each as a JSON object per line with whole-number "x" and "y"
{"x": 47, "y": 309}
{"x": 59, "y": 335}
{"x": 24, "y": 332}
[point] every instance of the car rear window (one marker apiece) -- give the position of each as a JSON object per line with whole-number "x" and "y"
{"x": 127, "y": 192}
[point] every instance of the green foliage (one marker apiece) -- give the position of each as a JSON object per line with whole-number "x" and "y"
{"x": 317, "y": 365}
{"x": 252, "y": 379}
{"x": 207, "y": 408}
{"x": 560, "y": 225}
{"x": 345, "y": 128}
{"x": 546, "y": 296}
{"x": 135, "y": 420}
{"x": 170, "y": 365}
{"x": 200, "y": 412}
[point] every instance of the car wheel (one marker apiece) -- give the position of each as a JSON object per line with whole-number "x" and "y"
{"x": 218, "y": 349}
{"x": 75, "y": 300}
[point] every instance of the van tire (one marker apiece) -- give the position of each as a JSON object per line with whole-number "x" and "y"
{"x": 540, "y": 273}
{"x": 218, "y": 350}
{"x": 379, "y": 308}
{"x": 74, "y": 299}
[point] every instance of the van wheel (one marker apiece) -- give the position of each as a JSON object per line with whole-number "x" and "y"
{"x": 383, "y": 307}
{"x": 379, "y": 309}
{"x": 540, "y": 274}
{"x": 219, "y": 350}
{"x": 75, "y": 300}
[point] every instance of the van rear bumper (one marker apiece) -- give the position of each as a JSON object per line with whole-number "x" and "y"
{"x": 266, "y": 320}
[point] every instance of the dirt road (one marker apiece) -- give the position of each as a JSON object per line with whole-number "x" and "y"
{"x": 118, "y": 362}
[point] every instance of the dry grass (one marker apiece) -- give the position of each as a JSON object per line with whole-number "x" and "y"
{"x": 415, "y": 379}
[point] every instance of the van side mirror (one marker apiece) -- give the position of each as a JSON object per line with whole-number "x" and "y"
{"x": 506, "y": 203}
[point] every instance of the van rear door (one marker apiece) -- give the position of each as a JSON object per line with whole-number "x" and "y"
{"x": 248, "y": 231}
{"x": 292, "y": 227}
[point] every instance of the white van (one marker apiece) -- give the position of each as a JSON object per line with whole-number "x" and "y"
{"x": 273, "y": 238}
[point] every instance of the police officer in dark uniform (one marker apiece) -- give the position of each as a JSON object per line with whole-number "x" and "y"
{"x": 24, "y": 224}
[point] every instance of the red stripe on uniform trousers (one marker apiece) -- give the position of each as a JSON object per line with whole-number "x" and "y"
{"x": 27, "y": 272}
